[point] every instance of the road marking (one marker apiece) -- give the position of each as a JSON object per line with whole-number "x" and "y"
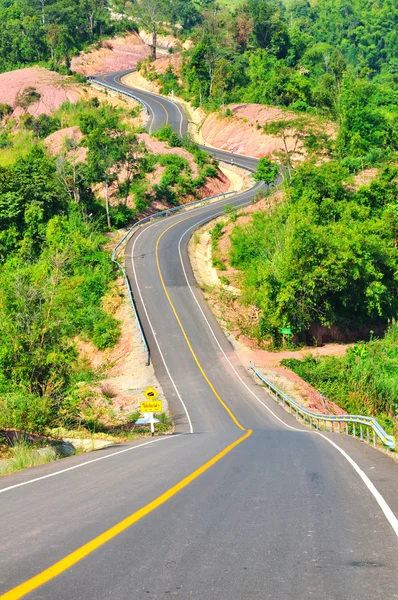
{"x": 88, "y": 462}
{"x": 392, "y": 519}
{"x": 165, "y": 110}
{"x": 153, "y": 331}
{"x": 68, "y": 561}
{"x": 209, "y": 383}
{"x": 388, "y": 513}
{"x": 215, "y": 338}
{"x": 182, "y": 118}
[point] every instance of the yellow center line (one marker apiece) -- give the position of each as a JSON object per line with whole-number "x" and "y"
{"x": 65, "y": 563}
{"x": 211, "y": 386}
{"x": 165, "y": 110}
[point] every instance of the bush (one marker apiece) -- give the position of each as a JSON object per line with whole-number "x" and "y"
{"x": 26, "y": 412}
{"x": 43, "y": 125}
{"x": 166, "y": 134}
{"x": 106, "y": 332}
{"x": 79, "y": 77}
{"x": 327, "y": 255}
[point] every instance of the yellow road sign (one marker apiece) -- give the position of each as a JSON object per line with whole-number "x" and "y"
{"x": 150, "y": 393}
{"x": 151, "y": 406}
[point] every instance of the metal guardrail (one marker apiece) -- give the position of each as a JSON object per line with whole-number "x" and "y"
{"x": 349, "y": 422}
{"x": 124, "y": 93}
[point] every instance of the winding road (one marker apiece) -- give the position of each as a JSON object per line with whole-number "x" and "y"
{"x": 241, "y": 503}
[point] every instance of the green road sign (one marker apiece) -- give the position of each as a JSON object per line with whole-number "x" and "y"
{"x": 286, "y": 331}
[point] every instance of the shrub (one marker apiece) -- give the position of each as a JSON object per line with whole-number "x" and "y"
{"x": 25, "y": 411}
{"x": 106, "y": 332}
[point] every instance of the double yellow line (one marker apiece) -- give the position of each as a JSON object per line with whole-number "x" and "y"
{"x": 71, "y": 559}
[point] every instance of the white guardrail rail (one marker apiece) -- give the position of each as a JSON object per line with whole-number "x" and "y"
{"x": 338, "y": 423}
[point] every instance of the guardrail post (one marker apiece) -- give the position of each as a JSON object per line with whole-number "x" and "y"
{"x": 360, "y": 433}
{"x": 367, "y": 434}
{"x": 346, "y": 428}
{"x": 311, "y": 422}
{"x": 338, "y": 427}
{"x": 353, "y": 430}
{"x": 374, "y": 438}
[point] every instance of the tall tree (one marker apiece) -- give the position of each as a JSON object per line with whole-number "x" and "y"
{"x": 151, "y": 14}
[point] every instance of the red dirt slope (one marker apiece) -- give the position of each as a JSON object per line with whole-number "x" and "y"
{"x": 53, "y": 88}
{"x": 116, "y": 54}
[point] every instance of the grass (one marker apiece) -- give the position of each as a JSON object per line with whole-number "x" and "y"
{"x": 22, "y": 144}
{"x": 24, "y": 455}
{"x": 117, "y": 433}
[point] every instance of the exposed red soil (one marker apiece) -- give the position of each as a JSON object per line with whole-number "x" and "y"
{"x": 116, "y": 54}
{"x": 363, "y": 178}
{"x": 165, "y": 41}
{"x": 243, "y": 132}
{"x": 213, "y": 186}
{"x": 53, "y": 88}
{"x": 164, "y": 62}
{"x": 56, "y": 143}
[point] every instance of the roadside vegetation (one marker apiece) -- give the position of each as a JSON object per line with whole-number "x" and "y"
{"x": 364, "y": 381}
{"x": 326, "y": 255}
{"x": 50, "y": 32}
{"x": 57, "y": 282}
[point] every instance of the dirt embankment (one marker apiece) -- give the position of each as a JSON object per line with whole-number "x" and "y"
{"x": 165, "y": 41}
{"x": 125, "y": 374}
{"x": 57, "y": 141}
{"x": 243, "y": 133}
{"x": 212, "y": 186}
{"x": 54, "y": 89}
{"x": 116, "y": 54}
{"x": 224, "y": 181}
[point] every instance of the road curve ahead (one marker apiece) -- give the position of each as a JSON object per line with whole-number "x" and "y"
{"x": 242, "y": 503}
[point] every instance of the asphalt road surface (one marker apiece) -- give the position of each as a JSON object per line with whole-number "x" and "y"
{"x": 242, "y": 503}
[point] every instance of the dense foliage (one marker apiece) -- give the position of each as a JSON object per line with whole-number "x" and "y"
{"x": 51, "y": 30}
{"x": 364, "y": 381}
{"x": 54, "y": 275}
{"x": 327, "y": 254}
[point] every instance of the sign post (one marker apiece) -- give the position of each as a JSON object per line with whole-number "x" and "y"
{"x": 149, "y": 407}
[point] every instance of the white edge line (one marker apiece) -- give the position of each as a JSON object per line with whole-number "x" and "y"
{"x": 153, "y": 331}
{"x": 88, "y": 462}
{"x": 182, "y": 118}
{"x": 388, "y": 513}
